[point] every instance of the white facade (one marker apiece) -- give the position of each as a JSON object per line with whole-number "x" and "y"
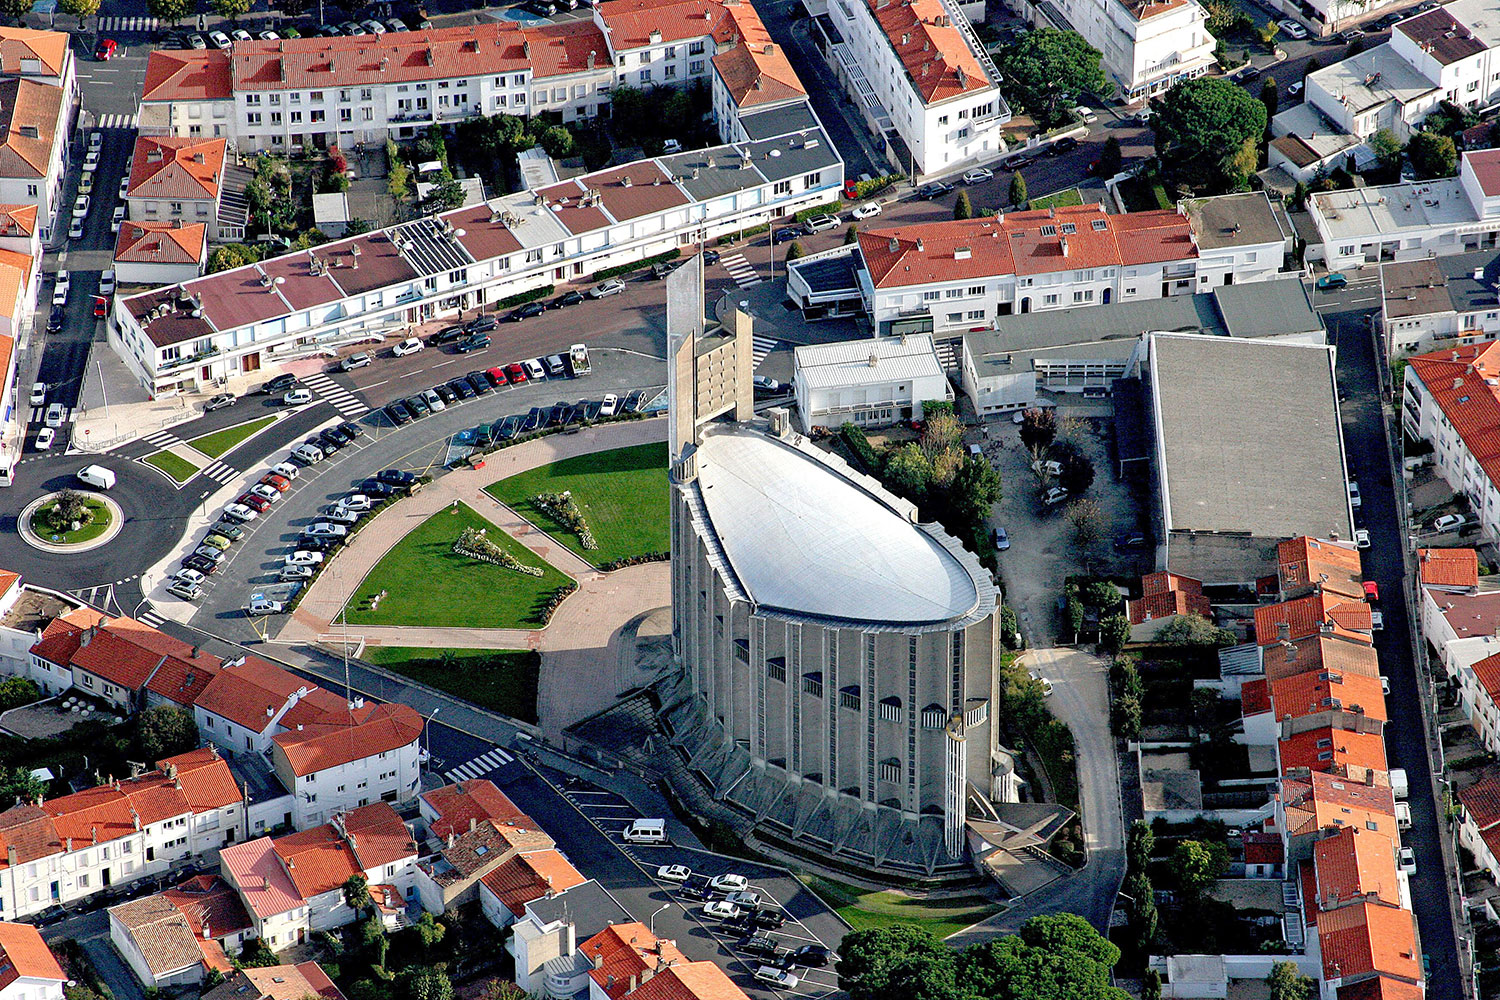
{"x": 1423, "y": 419}
{"x": 1145, "y": 49}
{"x": 871, "y": 383}
{"x": 387, "y": 776}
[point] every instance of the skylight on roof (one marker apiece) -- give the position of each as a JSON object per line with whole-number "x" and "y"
{"x": 1100, "y": 225}
{"x": 1069, "y": 228}
{"x": 1049, "y": 230}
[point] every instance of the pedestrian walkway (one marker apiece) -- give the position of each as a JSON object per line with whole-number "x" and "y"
{"x": 163, "y": 440}
{"x": 348, "y": 404}
{"x": 221, "y": 473}
{"x": 39, "y": 413}
{"x": 479, "y": 766}
{"x": 150, "y": 616}
{"x": 763, "y": 346}
{"x": 122, "y": 24}
{"x": 740, "y": 270}
{"x": 119, "y": 120}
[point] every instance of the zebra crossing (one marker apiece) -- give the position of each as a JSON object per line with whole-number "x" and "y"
{"x": 740, "y": 270}
{"x": 119, "y": 24}
{"x": 151, "y": 617}
{"x": 162, "y": 439}
{"x": 119, "y": 120}
{"x": 762, "y": 346}
{"x": 221, "y": 473}
{"x": 39, "y": 413}
{"x": 99, "y": 596}
{"x": 342, "y": 399}
{"x": 479, "y": 766}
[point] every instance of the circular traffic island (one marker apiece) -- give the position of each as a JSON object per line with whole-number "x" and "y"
{"x": 70, "y": 521}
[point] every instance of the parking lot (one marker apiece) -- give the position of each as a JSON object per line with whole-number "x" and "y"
{"x": 808, "y": 920}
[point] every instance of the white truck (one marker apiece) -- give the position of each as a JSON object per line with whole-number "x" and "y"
{"x": 1398, "y": 782}
{"x": 578, "y": 359}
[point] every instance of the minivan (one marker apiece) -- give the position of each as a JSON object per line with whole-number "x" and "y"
{"x": 646, "y": 831}
{"x": 96, "y": 476}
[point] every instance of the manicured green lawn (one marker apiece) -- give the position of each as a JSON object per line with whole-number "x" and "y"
{"x": 501, "y": 680}
{"x": 1143, "y": 194}
{"x": 866, "y": 910}
{"x": 88, "y": 532}
{"x": 623, "y": 495}
{"x": 179, "y": 469}
{"x": 218, "y": 442}
{"x": 426, "y": 584}
{"x": 1058, "y": 200}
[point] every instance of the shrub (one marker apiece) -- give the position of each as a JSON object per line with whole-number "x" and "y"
{"x": 860, "y": 445}
{"x": 827, "y": 209}
{"x": 615, "y": 272}
{"x": 521, "y": 298}
{"x": 473, "y": 544}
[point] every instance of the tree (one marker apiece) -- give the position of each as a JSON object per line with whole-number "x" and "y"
{"x": 1140, "y": 843}
{"x": 1432, "y": 155}
{"x": 1151, "y": 985}
{"x": 1125, "y": 714}
{"x": 356, "y": 892}
{"x": 358, "y": 227}
{"x": 974, "y": 490}
{"x": 1311, "y": 67}
{"x": 1286, "y": 983}
{"x": 171, "y": 11}
{"x": 429, "y": 932}
{"x": 231, "y": 9}
{"x": 1268, "y": 34}
{"x": 897, "y": 963}
{"x": 446, "y": 195}
{"x": 422, "y": 982}
{"x": 963, "y": 208}
{"x": 292, "y": 8}
{"x": 1077, "y": 473}
{"x": 795, "y": 250}
{"x": 1038, "y": 429}
{"x": 1010, "y": 627}
{"x": 851, "y": 235}
{"x": 1270, "y": 96}
{"x": 1054, "y": 956}
{"x": 1045, "y": 68}
{"x": 557, "y": 142}
{"x": 1110, "y": 158}
{"x": 1101, "y": 594}
{"x": 397, "y": 180}
{"x": 1197, "y": 864}
{"x": 1087, "y": 520}
{"x": 80, "y": 9}
{"x": 15, "y": 9}
{"x": 1200, "y": 122}
{"x": 17, "y": 786}
{"x": 1193, "y": 630}
{"x": 231, "y": 255}
{"x": 164, "y": 731}
{"x": 18, "y": 691}
{"x": 1114, "y": 633}
{"x": 908, "y": 471}
{"x": 1387, "y": 149}
{"x": 1075, "y": 614}
{"x": 1017, "y": 189}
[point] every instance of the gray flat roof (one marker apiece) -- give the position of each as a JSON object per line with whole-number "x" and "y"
{"x": 588, "y": 905}
{"x": 1249, "y": 435}
{"x": 847, "y": 362}
{"x": 772, "y": 122}
{"x": 1234, "y": 220}
{"x": 793, "y": 155}
{"x": 1273, "y": 308}
{"x": 830, "y": 274}
{"x": 1464, "y": 292}
{"x": 806, "y": 540}
{"x": 1441, "y": 284}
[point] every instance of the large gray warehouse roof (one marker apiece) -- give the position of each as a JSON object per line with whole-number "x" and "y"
{"x": 1248, "y": 434}
{"x": 806, "y": 540}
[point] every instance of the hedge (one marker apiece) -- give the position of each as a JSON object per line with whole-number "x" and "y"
{"x": 808, "y": 213}
{"x": 875, "y": 185}
{"x": 615, "y": 272}
{"x": 745, "y": 234}
{"x": 647, "y": 557}
{"x": 521, "y": 298}
{"x": 860, "y": 445}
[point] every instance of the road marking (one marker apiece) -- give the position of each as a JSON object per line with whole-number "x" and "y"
{"x": 118, "y": 121}
{"x": 410, "y": 374}
{"x": 372, "y": 385}
{"x": 453, "y": 361}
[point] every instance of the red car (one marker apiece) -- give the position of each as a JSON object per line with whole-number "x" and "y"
{"x": 105, "y": 50}
{"x": 254, "y": 502}
{"x": 516, "y": 372}
{"x": 281, "y": 483}
{"x": 496, "y": 376}
{"x": 1372, "y": 591}
{"x": 101, "y": 307}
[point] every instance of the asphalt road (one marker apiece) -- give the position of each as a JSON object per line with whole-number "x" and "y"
{"x": 1406, "y": 743}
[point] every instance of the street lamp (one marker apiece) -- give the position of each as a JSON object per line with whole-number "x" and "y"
{"x": 664, "y": 906}
{"x": 427, "y": 732}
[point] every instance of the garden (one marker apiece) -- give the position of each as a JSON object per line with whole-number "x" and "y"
{"x": 425, "y": 581}
{"x": 616, "y": 500}
{"x": 71, "y": 518}
{"x": 868, "y": 909}
{"x": 501, "y": 680}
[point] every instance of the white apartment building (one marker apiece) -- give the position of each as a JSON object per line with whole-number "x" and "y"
{"x": 1412, "y": 220}
{"x": 249, "y": 702}
{"x": 921, "y": 80}
{"x": 1452, "y": 399}
{"x": 343, "y": 761}
{"x": 183, "y": 336}
{"x": 1434, "y": 302}
{"x": 949, "y": 277}
{"x": 63, "y": 850}
{"x": 1145, "y": 46}
{"x": 871, "y": 383}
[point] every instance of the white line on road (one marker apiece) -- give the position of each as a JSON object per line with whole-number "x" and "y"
{"x": 410, "y": 374}
{"x": 452, "y": 361}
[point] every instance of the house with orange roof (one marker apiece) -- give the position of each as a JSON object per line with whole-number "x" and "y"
{"x": 505, "y": 890}
{"x": 244, "y": 705}
{"x": 25, "y": 611}
{"x": 459, "y": 807}
{"x": 178, "y": 935}
{"x": 177, "y": 180}
{"x": 292, "y": 886}
{"x": 34, "y": 54}
{"x": 1310, "y": 804}
{"x": 1478, "y": 687}
{"x": 160, "y": 253}
{"x": 451, "y": 877}
{"x": 28, "y": 969}
{"x": 65, "y": 849}
{"x": 751, "y": 74}
{"x": 629, "y": 961}
{"x": 301, "y": 981}
{"x": 1451, "y": 571}
{"x": 1317, "y": 614}
{"x": 1306, "y": 565}
{"x": 1452, "y": 399}
{"x": 345, "y": 759}
{"x": 34, "y": 130}
{"x": 125, "y": 662}
{"x": 1345, "y": 753}
{"x": 1164, "y": 598}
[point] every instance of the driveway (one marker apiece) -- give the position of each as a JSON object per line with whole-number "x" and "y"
{"x": 91, "y": 931}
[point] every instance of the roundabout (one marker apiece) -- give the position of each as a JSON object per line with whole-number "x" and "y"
{"x": 70, "y": 521}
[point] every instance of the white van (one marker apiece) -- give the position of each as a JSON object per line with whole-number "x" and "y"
{"x": 96, "y": 476}
{"x": 646, "y": 831}
{"x": 1403, "y": 816}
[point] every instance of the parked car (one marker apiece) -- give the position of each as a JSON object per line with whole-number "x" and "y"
{"x": 516, "y": 372}
{"x": 416, "y": 406}
{"x": 292, "y": 574}
{"x": 478, "y": 383}
{"x": 566, "y": 299}
{"x": 446, "y": 394}
{"x": 255, "y": 503}
{"x": 811, "y": 954}
{"x": 1377, "y": 621}
{"x": 527, "y": 311}
{"x": 184, "y": 590}
{"x": 219, "y": 402}
{"x": 239, "y": 512}
{"x": 215, "y": 541}
{"x": 674, "y": 873}
{"x": 44, "y": 438}
{"x": 308, "y": 454}
{"x": 448, "y": 335}
{"x": 55, "y": 414}
{"x": 1002, "y": 540}
{"x": 475, "y": 342}
{"x": 434, "y": 401}
{"x": 1354, "y": 498}
{"x": 269, "y": 494}
{"x": 720, "y": 910}
{"x": 1332, "y": 281}
{"x": 978, "y": 175}
{"x": 276, "y": 481}
{"x": 356, "y": 501}
{"x": 746, "y": 898}
{"x": 534, "y": 369}
{"x": 287, "y": 470}
{"x": 820, "y": 223}
{"x": 1294, "y": 88}
{"x": 780, "y": 978}
{"x": 1055, "y": 496}
{"x": 411, "y": 345}
{"x": 60, "y": 289}
{"x": 325, "y": 529}
{"x": 280, "y": 383}
{"x": 461, "y": 388}
{"x": 1372, "y": 592}
{"x": 1361, "y": 538}
{"x": 297, "y": 397}
{"x": 397, "y": 477}
{"x": 554, "y": 365}
{"x": 610, "y": 405}
{"x": 789, "y": 233}
{"x": 614, "y": 286}
{"x": 496, "y": 376}
{"x": 868, "y": 210}
{"x": 1449, "y": 522}
{"x": 482, "y": 324}
{"x": 397, "y": 413}
{"x": 1408, "y": 860}
{"x": 354, "y": 361}
{"x": 199, "y": 564}
{"x": 1292, "y": 28}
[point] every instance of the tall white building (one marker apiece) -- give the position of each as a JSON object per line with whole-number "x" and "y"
{"x": 345, "y": 760}
{"x": 1145, "y": 46}
{"x": 921, "y": 80}
{"x": 1450, "y": 398}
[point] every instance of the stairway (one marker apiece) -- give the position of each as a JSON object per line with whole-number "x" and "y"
{"x": 234, "y": 210}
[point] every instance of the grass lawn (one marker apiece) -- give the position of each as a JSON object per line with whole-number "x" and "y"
{"x": 866, "y": 909}
{"x": 217, "y": 443}
{"x": 88, "y": 532}
{"x": 426, "y": 584}
{"x": 501, "y": 680}
{"x": 179, "y": 469}
{"x": 623, "y": 495}
{"x": 1143, "y": 194}
{"x": 1059, "y": 200}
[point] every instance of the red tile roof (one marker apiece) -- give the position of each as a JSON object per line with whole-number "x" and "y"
{"x": 330, "y": 743}
{"x": 624, "y": 950}
{"x": 755, "y": 71}
{"x": 1482, "y": 799}
{"x": 249, "y": 694}
{"x": 205, "y": 778}
{"x": 30, "y": 115}
{"x": 30, "y": 831}
{"x": 1327, "y": 691}
{"x": 1368, "y": 937}
{"x": 377, "y": 835}
{"x": 937, "y": 59}
{"x": 207, "y": 901}
{"x": 1381, "y": 988}
{"x": 463, "y": 804}
{"x": 264, "y": 885}
{"x": 316, "y": 860}
{"x": 631, "y": 24}
{"x": 26, "y": 955}
{"x": 693, "y": 981}
{"x": 1263, "y": 849}
{"x": 1458, "y": 382}
{"x": 1486, "y": 164}
{"x": 187, "y": 75}
{"x": 1166, "y": 594}
{"x": 160, "y": 243}
{"x": 526, "y": 877}
{"x": 1025, "y": 243}
{"x": 49, "y": 48}
{"x": 1319, "y": 801}
{"x": 1255, "y": 697}
{"x": 17, "y": 220}
{"x": 1448, "y": 567}
{"x": 1353, "y": 864}
{"x": 177, "y": 168}
{"x": 128, "y": 653}
{"x": 1487, "y": 672}
{"x": 1309, "y": 562}
{"x": 1306, "y": 617}
{"x": 1336, "y": 751}
{"x": 1319, "y": 653}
